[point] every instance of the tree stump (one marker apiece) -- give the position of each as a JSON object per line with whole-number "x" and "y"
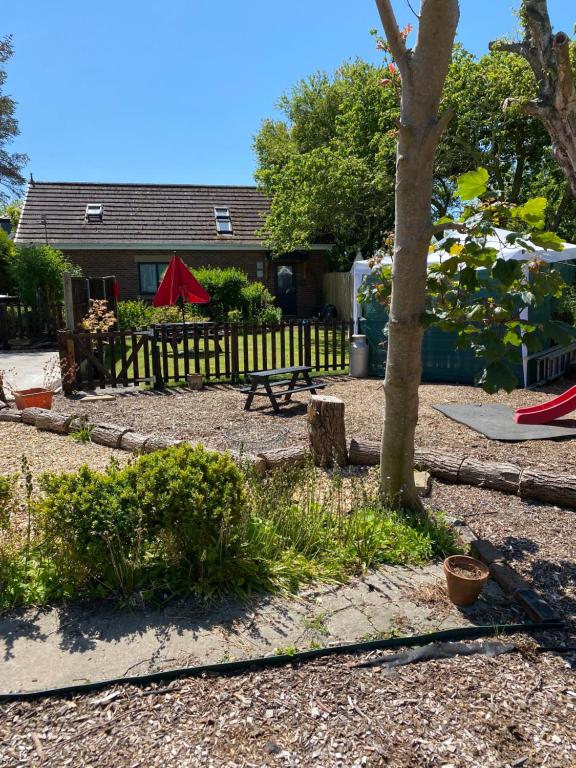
{"x": 326, "y": 431}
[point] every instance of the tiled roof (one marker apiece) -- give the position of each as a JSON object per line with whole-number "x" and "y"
{"x": 139, "y": 214}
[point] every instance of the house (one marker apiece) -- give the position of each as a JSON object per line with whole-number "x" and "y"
{"x": 132, "y": 231}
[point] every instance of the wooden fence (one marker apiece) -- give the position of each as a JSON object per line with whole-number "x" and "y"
{"x": 21, "y": 322}
{"x": 167, "y": 353}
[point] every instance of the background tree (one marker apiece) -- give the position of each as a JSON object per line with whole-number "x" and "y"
{"x": 12, "y": 210}
{"x": 6, "y": 258}
{"x": 549, "y": 57}
{"x": 37, "y": 272}
{"x": 329, "y": 167}
{"x": 11, "y": 163}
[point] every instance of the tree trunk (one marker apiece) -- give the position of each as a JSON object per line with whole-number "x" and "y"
{"x": 555, "y": 105}
{"x": 423, "y": 72}
{"x": 326, "y": 431}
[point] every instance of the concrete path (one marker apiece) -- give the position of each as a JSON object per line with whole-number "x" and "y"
{"x": 81, "y": 643}
{"x": 26, "y": 369}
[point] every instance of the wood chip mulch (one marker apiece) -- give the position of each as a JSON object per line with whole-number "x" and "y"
{"x": 215, "y": 417}
{"x": 476, "y": 712}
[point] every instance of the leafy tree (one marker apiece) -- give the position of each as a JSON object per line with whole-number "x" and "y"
{"x": 13, "y": 210}
{"x": 11, "y": 163}
{"x": 552, "y": 60}
{"x": 479, "y": 295}
{"x": 6, "y": 257}
{"x": 37, "y": 273}
{"x": 329, "y": 167}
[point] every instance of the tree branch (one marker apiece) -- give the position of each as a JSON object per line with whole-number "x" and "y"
{"x": 436, "y": 30}
{"x": 393, "y": 35}
{"x": 437, "y": 229}
{"x": 565, "y": 91}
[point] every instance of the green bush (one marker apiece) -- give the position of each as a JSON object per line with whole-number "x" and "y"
{"x": 255, "y": 298}
{"x": 269, "y": 315}
{"x": 6, "y": 258}
{"x": 135, "y": 314}
{"x": 225, "y": 289}
{"x": 89, "y": 520}
{"x": 235, "y": 316}
{"x": 7, "y": 499}
{"x": 37, "y": 273}
{"x": 193, "y": 496}
{"x": 186, "y": 519}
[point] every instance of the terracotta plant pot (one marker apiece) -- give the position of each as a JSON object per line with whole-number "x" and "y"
{"x": 465, "y": 577}
{"x": 36, "y": 397}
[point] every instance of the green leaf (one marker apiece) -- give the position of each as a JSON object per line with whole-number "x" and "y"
{"x": 512, "y": 338}
{"x": 472, "y": 184}
{"x": 507, "y": 271}
{"x": 559, "y": 332}
{"x": 548, "y": 240}
{"x": 533, "y": 211}
{"x": 497, "y": 376}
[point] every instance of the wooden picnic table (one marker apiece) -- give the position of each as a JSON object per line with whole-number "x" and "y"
{"x": 261, "y": 384}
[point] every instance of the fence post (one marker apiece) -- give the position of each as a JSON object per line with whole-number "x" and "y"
{"x": 68, "y": 366}
{"x": 4, "y": 330}
{"x": 307, "y": 342}
{"x": 235, "y": 360}
{"x": 156, "y": 367}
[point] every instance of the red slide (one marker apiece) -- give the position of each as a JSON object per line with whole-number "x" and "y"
{"x": 553, "y": 409}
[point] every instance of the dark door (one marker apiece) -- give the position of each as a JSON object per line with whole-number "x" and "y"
{"x": 285, "y": 285}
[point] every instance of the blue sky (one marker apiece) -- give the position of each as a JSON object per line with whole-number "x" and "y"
{"x": 175, "y": 91}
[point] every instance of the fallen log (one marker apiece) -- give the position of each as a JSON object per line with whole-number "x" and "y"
{"x": 529, "y": 483}
{"x": 497, "y": 477}
{"x": 109, "y": 435}
{"x": 548, "y": 486}
{"x": 29, "y": 415}
{"x": 53, "y": 422}
{"x": 285, "y": 457}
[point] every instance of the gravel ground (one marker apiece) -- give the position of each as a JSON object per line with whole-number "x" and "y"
{"x": 215, "y": 416}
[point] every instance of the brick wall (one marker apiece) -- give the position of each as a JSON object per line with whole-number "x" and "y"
{"x": 124, "y": 265}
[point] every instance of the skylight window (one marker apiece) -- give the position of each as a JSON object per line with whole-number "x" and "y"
{"x": 223, "y": 221}
{"x": 94, "y": 212}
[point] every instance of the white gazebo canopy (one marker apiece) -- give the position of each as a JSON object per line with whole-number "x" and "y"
{"x": 361, "y": 268}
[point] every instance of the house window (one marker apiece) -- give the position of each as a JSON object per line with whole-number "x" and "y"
{"x": 259, "y": 270}
{"x": 94, "y": 212}
{"x": 150, "y": 275}
{"x": 223, "y": 221}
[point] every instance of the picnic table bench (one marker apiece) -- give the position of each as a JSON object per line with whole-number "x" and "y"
{"x": 261, "y": 384}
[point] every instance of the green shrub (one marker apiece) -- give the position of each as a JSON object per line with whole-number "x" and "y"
{"x": 37, "y": 273}
{"x": 174, "y": 314}
{"x": 89, "y": 520}
{"x": 255, "y": 298}
{"x": 134, "y": 314}
{"x": 225, "y": 289}
{"x": 270, "y": 315}
{"x": 235, "y": 316}
{"x": 6, "y": 258}
{"x": 193, "y": 496}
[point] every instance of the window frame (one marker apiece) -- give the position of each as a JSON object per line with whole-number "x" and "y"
{"x": 158, "y": 265}
{"x": 222, "y": 216}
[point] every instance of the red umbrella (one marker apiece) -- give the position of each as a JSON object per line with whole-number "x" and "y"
{"x": 179, "y": 285}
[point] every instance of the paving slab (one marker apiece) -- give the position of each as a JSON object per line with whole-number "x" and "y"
{"x": 88, "y": 642}
{"x": 26, "y": 369}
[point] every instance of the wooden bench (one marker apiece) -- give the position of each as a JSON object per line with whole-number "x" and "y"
{"x": 261, "y": 385}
